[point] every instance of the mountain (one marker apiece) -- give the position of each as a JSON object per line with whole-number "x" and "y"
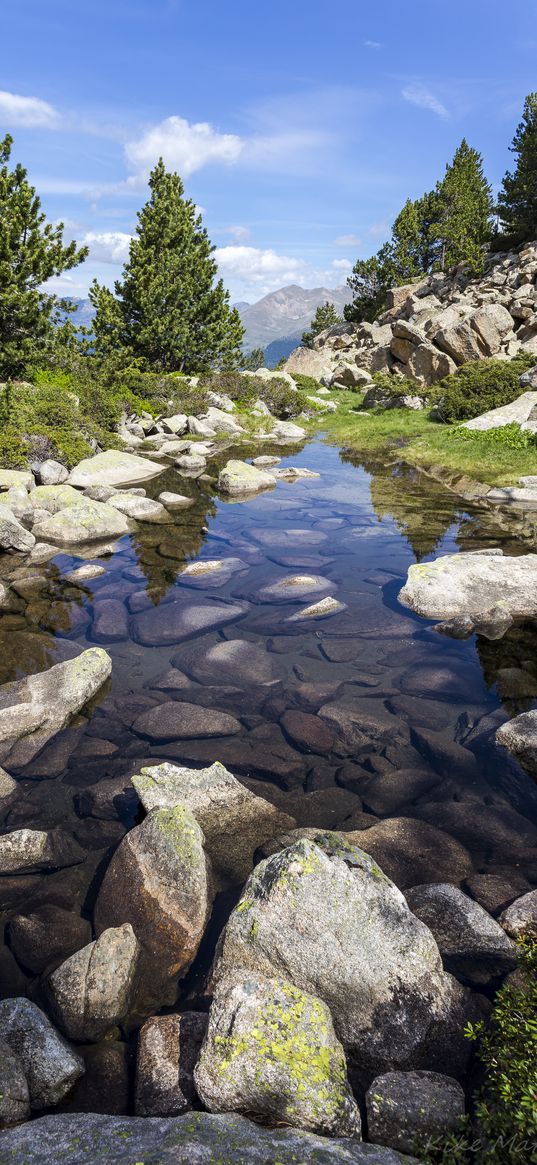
{"x": 277, "y": 321}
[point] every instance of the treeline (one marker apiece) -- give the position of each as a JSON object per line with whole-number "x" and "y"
{"x": 453, "y": 223}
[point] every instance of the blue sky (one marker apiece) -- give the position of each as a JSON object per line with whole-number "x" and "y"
{"x": 299, "y": 128}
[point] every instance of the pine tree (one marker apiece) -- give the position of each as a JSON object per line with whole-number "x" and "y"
{"x": 463, "y": 213}
{"x": 407, "y": 243}
{"x": 370, "y": 281}
{"x": 31, "y": 252}
{"x": 253, "y": 360}
{"x": 169, "y": 308}
{"x": 325, "y": 317}
{"x": 517, "y": 202}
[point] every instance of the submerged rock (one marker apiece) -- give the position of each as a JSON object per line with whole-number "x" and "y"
{"x": 271, "y": 1049}
{"x": 27, "y": 851}
{"x": 210, "y": 572}
{"x": 234, "y": 821}
{"x": 179, "y": 720}
{"x": 51, "y": 1067}
{"x": 321, "y": 610}
{"x": 180, "y": 620}
{"x": 293, "y": 589}
{"x": 233, "y": 661}
{"x": 92, "y": 991}
{"x": 168, "y": 1050}
{"x": 237, "y": 477}
{"x": 405, "y": 1109}
{"x": 113, "y": 467}
{"x": 46, "y": 935}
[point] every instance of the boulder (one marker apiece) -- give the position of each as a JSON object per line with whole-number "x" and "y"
{"x": 92, "y": 991}
{"x": 238, "y": 477}
{"x": 14, "y": 1094}
{"x": 405, "y": 1109}
{"x": 426, "y": 364}
{"x": 233, "y": 820}
{"x": 54, "y": 498}
{"x": 470, "y": 583}
{"x": 159, "y": 880}
{"x": 191, "y": 462}
{"x": 177, "y": 621}
{"x": 460, "y": 342}
{"x": 176, "y": 425}
{"x": 113, "y": 467}
{"x": 521, "y": 411}
{"x": 519, "y": 737}
{"x": 324, "y": 916}
{"x": 287, "y": 431}
{"x": 321, "y": 610}
{"x": 7, "y": 786}
{"x": 520, "y": 918}
{"x": 492, "y": 323}
{"x": 271, "y": 1050}
{"x": 143, "y": 509}
{"x": 47, "y": 935}
{"x": 168, "y": 1050}
{"x": 87, "y": 521}
{"x": 473, "y": 946}
{"x": 16, "y": 477}
{"x": 412, "y": 851}
{"x": 351, "y": 376}
{"x": 178, "y": 720}
{"x": 200, "y": 428}
{"x": 51, "y": 1067}
{"x": 34, "y": 710}
{"x": 196, "y": 1137}
{"x": 174, "y": 501}
{"x": 14, "y": 536}
{"x": 220, "y": 420}
{"x": 311, "y": 362}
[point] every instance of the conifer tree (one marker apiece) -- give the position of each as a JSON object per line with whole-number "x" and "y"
{"x": 31, "y": 252}
{"x": 325, "y": 317}
{"x": 463, "y": 212}
{"x": 169, "y": 308}
{"x": 517, "y": 202}
{"x": 253, "y": 360}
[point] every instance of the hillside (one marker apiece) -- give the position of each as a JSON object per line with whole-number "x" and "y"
{"x": 277, "y": 321}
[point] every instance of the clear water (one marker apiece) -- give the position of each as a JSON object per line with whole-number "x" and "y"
{"x": 364, "y": 526}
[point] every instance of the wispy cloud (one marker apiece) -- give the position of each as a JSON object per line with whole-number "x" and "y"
{"x": 373, "y": 44}
{"x": 185, "y": 146}
{"x": 17, "y": 111}
{"x": 341, "y": 264}
{"x": 240, "y": 234}
{"x": 347, "y": 241}
{"x": 422, "y": 97}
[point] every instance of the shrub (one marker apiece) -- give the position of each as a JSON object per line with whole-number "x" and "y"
{"x": 13, "y": 451}
{"x": 480, "y": 386}
{"x": 279, "y": 396}
{"x": 510, "y": 436}
{"x": 306, "y": 383}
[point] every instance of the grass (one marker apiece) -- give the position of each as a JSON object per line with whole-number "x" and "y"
{"x": 422, "y": 442}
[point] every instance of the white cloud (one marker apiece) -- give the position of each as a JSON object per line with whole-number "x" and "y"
{"x": 240, "y": 234}
{"x": 424, "y": 99}
{"x": 27, "y": 112}
{"x": 260, "y": 271}
{"x": 342, "y": 264}
{"x": 107, "y": 246}
{"x": 185, "y": 147}
{"x": 379, "y": 230}
{"x": 347, "y": 241}
{"x": 372, "y": 44}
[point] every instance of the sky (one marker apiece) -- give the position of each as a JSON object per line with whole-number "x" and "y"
{"x": 298, "y": 128}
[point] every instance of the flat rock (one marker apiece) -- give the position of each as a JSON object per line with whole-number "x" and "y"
{"x": 290, "y": 539}
{"x": 198, "y": 1137}
{"x": 174, "y": 501}
{"x": 178, "y": 621}
{"x": 113, "y": 467}
{"x": 51, "y": 1067}
{"x": 168, "y": 1050}
{"x": 179, "y": 720}
{"x": 234, "y": 821}
{"x": 473, "y": 946}
{"x": 238, "y": 477}
{"x": 516, "y": 412}
{"x": 307, "y": 731}
{"x": 293, "y": 589}
{"x": 91, "y": 992}
{"x": 143, "y": 509}
{"x": 236, "y": 662}
{"x": 87, "y": 521}
{"x": 210, "y": 572}
{"x": 110, "y": 621}
{"x": 54, "y": 498}
{"x": 471, "y": 583}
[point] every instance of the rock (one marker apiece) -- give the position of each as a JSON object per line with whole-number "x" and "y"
{"x": 220, "y": 420}
{"x": 176, "y": 425}
{"x": 87, "y": 521}
{"x": 308, "y": 732}
{"x": 178, "y": 720}
{"x": 14, "y": 536}
{"x": 355, "y": 728}
{"x": 309, "y": 362}
{"x": 520, "y": 918}
{"x": 495, "y": 892}
{"x": 235, "y": 662}
{"x": 321, "y": 610}
{"x": 53, "y": 498}
{"x": 143, "y": 509}
{"x": 473, "y": 946}
{"x": 200, "y": 428}
{"x": 16, "y": 477}
{"x": 196, "y": 1137}
{"x": 271, "y": 1049}
{"x": 106, "y": 1085}
{"x": 325, "y": 917}
{"x": 426, "y": 365}
{"x": 174, "y": 501}
{"x": 46, "y": 935}
{"x": 460, "y": 342}
{"x": 287, "y": 431}
{"x": 294, "y": 473}
{"x": 159, "y": 881}
{"x": 265, "y": 462}
{"x": 191, "y": 462}
{"x": 177, "y": 621}
{"x": 519, "y": 737}
{"x": 470, "y": 583}
{"x": 85, "y": 573}
{"x": 233, "y": 820}
{"x": 350, "y": 376}
{"x": 51, "y": 1067}
{"x": 7, "y": 786}
{"x": 210, "y": 572}
{"x": 493, "y": 323}
{"x": 52, "y": 473}
{"x": 34, "y": 710}
{"x": 238, "y": 477}
{"x": 385, "y": 793}
{"x": 519, "y": 412}
{"x": 293, "y": 589}
{"x": 113, "y": 467}
{"x": 168, "y": 1050}
{"x": 92, "y": 991}
{"x": 14, "y": 1094}
{"x": 414, "y": 851}
{"x": 30, "y": 850}
{"x": 405, "y": 1109}
{"x": 17, "y": 499}
{"x": 110, "y": 621}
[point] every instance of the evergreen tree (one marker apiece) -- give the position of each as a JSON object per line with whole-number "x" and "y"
{"x": 253, "y": 360}
{"x": 517, "y": 202}
{"x": 407, "y": 243}
{"x": 169, "y": 308}
{"x": 463, "y": 213}
{"x": 31, "y": 252}
{"x": 370, "y": 281}
{"x": 325, "y": 317}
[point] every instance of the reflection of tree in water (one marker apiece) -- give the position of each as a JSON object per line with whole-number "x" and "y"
{"x": 422, "y": 510}
{"x": 161, "y": 551}
{"x": 517, "y": 649}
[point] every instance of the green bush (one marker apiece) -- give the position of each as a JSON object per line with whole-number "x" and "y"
{"x": 278, "y": 395}
{"x": 306, "y": 383}
{"x": 397, "y": 385}
{"x": 13, "y": 451}
{"x": 480, "y": 386}
{"x": 510, "y": 436}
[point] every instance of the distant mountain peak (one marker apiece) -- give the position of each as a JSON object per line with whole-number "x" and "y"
{"x": 280, "y": 318}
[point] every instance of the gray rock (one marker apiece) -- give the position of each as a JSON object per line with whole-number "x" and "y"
{"x": 236, "y": 662}
{"x": 27, "y": 851}
{"x": 520, "y": 918}
{"x": 238, "y": 477}
{"x": 47, "y": 935}
{"x": 176, "y": 425}
{"x": 179, "y": 720}
{"x": 294, "y": 588}
{"x": 159, "y": 880}
{"x": 15, "y": 477}
{"x": 473, "y": 946}
{"x": 519, "y": 737}
{"x": 265, "y": 462}
{"x": 174, "y": 501}
{"x": 51, "y": 1067}
{"x": 85, "y": 573}
{"x": 493, "y": 323}
{"x": 13, "y": 536}
{"x": 517, "y": 412}
{"x": 271, "y": 1049}
{"x": 168, "y": 1050}
{"x": 143, "y": 509}
{"x": 220, "y": 420}
{"x": 470, "y": 583}
{"x": 180, "y": 620}
{"x": 113, "y": 467}
{"x": 191, "y": 462}
{"x": 200, "y": 428}
{"x": 87, "y": 521}
{"x": 198, "y": 1137}
{"x": 295, "y": 473}
{"x": 460, "y": 342}
{"x": 210, "y": 572}
{"x": 34, "y": 710}
{"x": 309, "y": 362}
{"x": 234, "y": 821}
{"x": 287, "y": 431}
{"x": 330, "y": 921}
{"x": 411, "y": 850}
{"x": 110, "y": 621}
{"x": 14, "y": 1094}
{"x": 92, "y": 991}
{"x": 405, "y": 1109}
{"x": 321, "y": 610}
{"x": 52, "y": 473}
{"x": 54, "y": 498}
{"x": 7, "y": 785}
